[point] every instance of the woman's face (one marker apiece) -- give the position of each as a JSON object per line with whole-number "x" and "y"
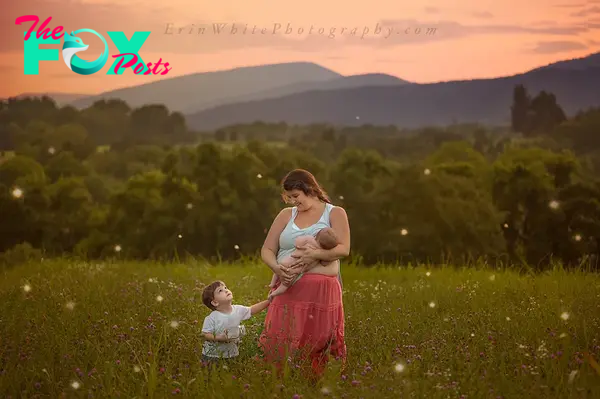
{"x": 300, "y": 200}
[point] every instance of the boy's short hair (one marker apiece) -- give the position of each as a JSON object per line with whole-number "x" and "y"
{"x": 326, "y": 238}
{"x": 208, "y": 294}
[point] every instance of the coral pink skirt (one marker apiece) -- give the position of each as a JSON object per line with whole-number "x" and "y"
{"x": 306, "y": 323}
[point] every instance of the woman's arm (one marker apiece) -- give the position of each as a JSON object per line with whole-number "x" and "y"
{"x": 270, "y": 247}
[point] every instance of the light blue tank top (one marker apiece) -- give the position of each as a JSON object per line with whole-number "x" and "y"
{"x": 291, "y": 232}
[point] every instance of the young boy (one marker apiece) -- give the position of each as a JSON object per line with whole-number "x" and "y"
{"x": 325, "y": 239}
{"x": 221, "y": 328}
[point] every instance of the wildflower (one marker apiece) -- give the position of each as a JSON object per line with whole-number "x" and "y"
{"x": 136, "y": 369}
{"x": 427, "y": 172}
{"x": 189, "y": 205}
{"x": 562, "y": 335}
{"x": 26, "y": 288}
{"x": 492, "y": 277}
{"x": 428, "y": 274}
{"x": 554, "y": 204}
{"x": 507, "y": 318}
{"x": 179, "y": 236}
{"x": 404, "y": 232}
{"x": 174, "y": 324}
{"x": 17, "y": 192}
{"x": 70, "y": 305}
{"x": 341, "y": 197}
{"x": 577, "y": 237}
{"x": 505, "y": 225}
{"x": 259, "y": 176}
{"x": 75, "y": 385}
{"x": 117, "y": 248}
{"x": 399, "y": 367}
{"x": 236, "y": 247}
{"x": 432, "y": 304}
{"x": 159, "y": 298}
{"x": 51, "y": 150}
{"x": 572, "y": 376}
{"x": 325, "y": 391}
{"x": 564, "y": 316}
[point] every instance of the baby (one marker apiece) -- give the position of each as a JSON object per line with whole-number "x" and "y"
{"x": 325, "y": 239}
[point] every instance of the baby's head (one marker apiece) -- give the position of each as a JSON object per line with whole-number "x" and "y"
{"x": 326, "y": 238}
{"x": 216, "y": 294}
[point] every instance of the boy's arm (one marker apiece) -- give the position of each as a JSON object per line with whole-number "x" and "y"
{"x": 207, "y": 327}
{"x": 216, "y": 338}
{"x": 259, "y": 307}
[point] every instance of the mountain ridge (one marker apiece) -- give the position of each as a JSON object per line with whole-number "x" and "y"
{"x": 214, "y": 99}
{"x": 415, "y": 105}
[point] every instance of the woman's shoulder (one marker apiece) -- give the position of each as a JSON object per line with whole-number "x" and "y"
{"x": 337, "y": 211}
{"x": 285, "y": 213}
{"x": 335, "y": 208}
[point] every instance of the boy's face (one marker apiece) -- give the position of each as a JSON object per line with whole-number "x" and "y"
{"x": 223, "y": 296}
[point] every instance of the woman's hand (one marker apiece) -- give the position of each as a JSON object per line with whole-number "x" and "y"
{"x": 309, "y": 255}
{"x": 288, "y": 275}
{"x": 278, "y": 270}
{"x": 307, "y": 258}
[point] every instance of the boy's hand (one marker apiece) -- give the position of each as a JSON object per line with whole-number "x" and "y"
{"x": 223, "y": 338}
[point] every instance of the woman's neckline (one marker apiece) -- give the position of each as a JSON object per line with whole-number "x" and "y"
{"x": 308, "y": 227}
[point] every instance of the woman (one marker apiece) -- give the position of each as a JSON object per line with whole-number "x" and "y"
{"x": 307, "y": 321}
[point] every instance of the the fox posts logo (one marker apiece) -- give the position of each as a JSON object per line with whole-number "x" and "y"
{"x": 73, "y": 44}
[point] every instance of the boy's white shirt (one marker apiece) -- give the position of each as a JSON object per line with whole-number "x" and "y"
{"x": 217, "y": 323}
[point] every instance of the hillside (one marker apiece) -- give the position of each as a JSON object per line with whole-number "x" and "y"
{"x": 198, "y": 91}
{"x": 414, "y": 105}
{"x": 591, "y": 61}
{"x": 304, "y": 92}
{"x": 60, "y": 98}
{"x": 344, "y": 82}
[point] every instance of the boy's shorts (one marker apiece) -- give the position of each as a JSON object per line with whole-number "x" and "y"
{"x": 210, "y": 360}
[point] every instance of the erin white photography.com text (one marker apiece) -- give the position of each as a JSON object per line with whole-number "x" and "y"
{"x": 375, "y": 30}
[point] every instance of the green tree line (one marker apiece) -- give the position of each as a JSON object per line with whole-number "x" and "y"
{"x": 136, "y": 183}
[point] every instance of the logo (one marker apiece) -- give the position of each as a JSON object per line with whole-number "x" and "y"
{"x": 128, "y": 56}
{"x": 73, "y": 45}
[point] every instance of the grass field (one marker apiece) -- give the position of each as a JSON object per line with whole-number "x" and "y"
{"x": 131, "y": 330}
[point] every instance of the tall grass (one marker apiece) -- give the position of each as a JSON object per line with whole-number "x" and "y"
{"x": 76, "y": 329}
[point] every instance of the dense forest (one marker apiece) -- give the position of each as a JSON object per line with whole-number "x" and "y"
{"x": 111, "y": 181}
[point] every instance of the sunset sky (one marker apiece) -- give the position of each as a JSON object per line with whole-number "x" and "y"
{"x": 472, "y": 39}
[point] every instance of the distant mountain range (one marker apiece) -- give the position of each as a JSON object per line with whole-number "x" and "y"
{"x": 302, "y": 93}
{"x": 192, "y": 93}
{"x": 485, "y": 101}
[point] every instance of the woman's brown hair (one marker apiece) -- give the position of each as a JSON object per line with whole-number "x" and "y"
{"x": 303, "y": 180}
